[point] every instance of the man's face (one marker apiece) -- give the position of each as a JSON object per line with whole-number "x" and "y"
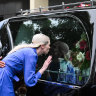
{"x": 46, "y": 48}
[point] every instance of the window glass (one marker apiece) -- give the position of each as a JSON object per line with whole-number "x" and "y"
{"x": 69, "y": 47}
{"x": 5, "y": 46}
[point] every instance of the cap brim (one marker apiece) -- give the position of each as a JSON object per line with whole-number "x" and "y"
{"x": 35, "y": 45}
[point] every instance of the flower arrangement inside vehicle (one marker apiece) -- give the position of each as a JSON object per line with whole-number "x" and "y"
{"x": 80, "y": 58}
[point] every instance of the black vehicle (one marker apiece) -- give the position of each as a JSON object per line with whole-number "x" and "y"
{"x": 75, "y": 26}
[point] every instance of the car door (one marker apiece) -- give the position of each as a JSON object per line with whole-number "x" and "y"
{"x": 6, "y": 43}
{"x": 73, "y": 27}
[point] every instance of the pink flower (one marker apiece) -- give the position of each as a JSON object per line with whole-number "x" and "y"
{"x": 88, "y": 55}
{"x": 70, "y": 59}
{"x": 83, "y": 44}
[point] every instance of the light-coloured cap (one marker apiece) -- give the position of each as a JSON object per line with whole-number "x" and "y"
{"x": 39, "y": 39}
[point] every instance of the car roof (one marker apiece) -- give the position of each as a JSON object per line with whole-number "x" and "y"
{"x": 27, "y": 14}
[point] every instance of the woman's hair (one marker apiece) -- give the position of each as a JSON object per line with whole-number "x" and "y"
{"x": 37, "y": 40}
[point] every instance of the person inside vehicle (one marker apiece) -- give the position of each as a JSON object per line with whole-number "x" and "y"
{"x": 61, "y": 63}
{"x": 23, "y": 58}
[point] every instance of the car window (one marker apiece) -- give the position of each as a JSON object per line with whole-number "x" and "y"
{"x": 5, "y": 45}
{"x": 74, "y": 68}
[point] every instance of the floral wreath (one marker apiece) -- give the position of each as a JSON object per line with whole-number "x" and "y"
{"x": 80, "y": 56}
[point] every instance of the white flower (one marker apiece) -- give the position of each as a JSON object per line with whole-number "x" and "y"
{"x": 80, "y": 57}
{"x": 78, "y": 45}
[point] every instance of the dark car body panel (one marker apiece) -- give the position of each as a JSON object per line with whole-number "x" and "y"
{"x": 87, "y": 18}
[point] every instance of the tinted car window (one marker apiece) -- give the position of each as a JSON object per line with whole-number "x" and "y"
{"x": 5, "y": 45}
{"x": 67, "y": 29}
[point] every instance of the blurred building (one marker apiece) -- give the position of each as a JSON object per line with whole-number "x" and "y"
{"x": 9, "y": 8}
{"x": 44, "y": 3}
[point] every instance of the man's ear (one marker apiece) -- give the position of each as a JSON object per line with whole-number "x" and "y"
{"x": 42, "y": 46}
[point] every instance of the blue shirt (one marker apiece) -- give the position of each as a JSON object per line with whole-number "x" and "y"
{"x": 67, "y": 74}
{"x": 25, "y": 60}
